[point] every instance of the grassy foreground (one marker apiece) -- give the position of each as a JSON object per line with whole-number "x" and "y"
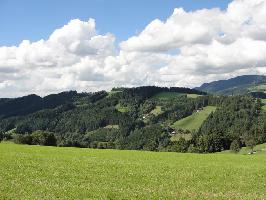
{"x": 194, "y": 121}
{"x": 35, "y": 172}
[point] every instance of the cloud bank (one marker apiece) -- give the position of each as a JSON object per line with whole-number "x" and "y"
{"x": 187, "y": 49}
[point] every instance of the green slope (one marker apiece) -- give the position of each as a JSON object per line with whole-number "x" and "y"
{"x": 258, "y": 88}
{"x": 157, "y": 110}
{"x": 259, "y": 149}
{"x": 122, "y": 109}
{"x": 194, "y": 121}
{"x": 35, "y": 172}
{"x": 264, "y": 102}
{"x": 193, "y": 96}
{"x": 166, "y": 95}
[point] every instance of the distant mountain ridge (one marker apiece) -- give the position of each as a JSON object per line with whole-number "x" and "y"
{"x": 246, "y": 84}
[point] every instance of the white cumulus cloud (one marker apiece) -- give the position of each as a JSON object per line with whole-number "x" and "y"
{"x": 187, "y": 49}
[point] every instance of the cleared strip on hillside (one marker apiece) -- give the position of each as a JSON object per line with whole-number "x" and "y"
{"x": 111, "y": 93}
{"x": 193, "y": 96}
{"x": 194, "y": 121}
{"x": 257, "y": 88}
{"x": 264, "y": 102}
{"x": 157, "y": 110}
{"x": 166, "y": 95}
{"x": 121, "y": 108}
{"x": 178, "y": 136}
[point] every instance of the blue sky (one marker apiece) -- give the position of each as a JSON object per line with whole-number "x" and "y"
{"x": 34, "y": 20}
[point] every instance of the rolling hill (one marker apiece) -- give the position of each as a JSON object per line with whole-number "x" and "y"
{"x": 238, "y": 85}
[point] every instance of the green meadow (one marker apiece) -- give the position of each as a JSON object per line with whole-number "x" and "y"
{"x": 166, "y": 95}
{"x": 122, "y": 109}
{"x": 193, "y": 96}
{"x": 264, "y": 104}
{"x": 37, "y": 172}
{"x": 157, "y": 110}
{"x": 258, "y": 149}
{"x": 194, "y": 121}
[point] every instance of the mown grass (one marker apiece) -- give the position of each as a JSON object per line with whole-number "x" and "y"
{"x": 35, "y": 172}
{"x": 194, "y": 121}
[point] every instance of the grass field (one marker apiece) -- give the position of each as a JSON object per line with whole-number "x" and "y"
{"x": 112, "y": 126}
{"x": 264, "y": 102}
{"x": 111, "y": 93}
{"x": 193, "y": 96}
{"x": 259, "y": 149}
{"x": 157, "y": 110}
{"x": 261, "y": 88}
{"x": 35, "y": 172}
{"x": 176, "y": 137}
{"x": 122, "y": 109}
{"x": 166, "y": 95}
{"x": 194, "y": 121}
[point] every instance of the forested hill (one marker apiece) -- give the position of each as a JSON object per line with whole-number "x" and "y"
{"x": 239, "y": 85}
{"x": 32, "y": 103}
{"x": 142, "y": 118}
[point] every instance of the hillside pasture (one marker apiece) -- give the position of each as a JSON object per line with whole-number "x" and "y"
{"x": 194, "y": 121}
{"x": 37, "y": 172}
{"x": 178, "y": 136}
{"x": 259, "y": 149}
{"x": 166, "y": 95}
{"x": 121, "y": 108}
{"x": 157, "y": 110}
{"x": 257, "y": 88}
{"x": 112, "y": 126}
{"x": 193, "y": 96}
{"x": 111, "y": 93}
{"x": 264, "y": 104}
